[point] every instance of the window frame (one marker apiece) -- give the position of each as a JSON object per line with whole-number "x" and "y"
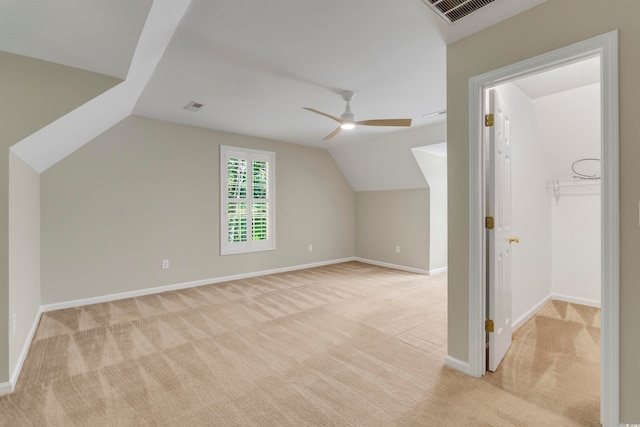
{"x": 250, "y": 245}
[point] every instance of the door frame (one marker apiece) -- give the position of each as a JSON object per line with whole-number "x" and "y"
{"x": 606, "y": 47}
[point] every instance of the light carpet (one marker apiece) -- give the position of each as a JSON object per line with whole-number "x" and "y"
{"x": 554, "y": 362}
{"x": 342, "y": 345}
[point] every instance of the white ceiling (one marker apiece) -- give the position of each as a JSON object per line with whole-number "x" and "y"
{"x": 256, "y": 63}
{"x": 439, "y": 149}
{"x": 95, "y": 35}
{"x": 560, "y": 79}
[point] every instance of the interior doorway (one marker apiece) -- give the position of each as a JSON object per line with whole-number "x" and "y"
{"x": 554, "y": 179}
{"x": 549, "y": 124}
{"x": 605, "y": 48}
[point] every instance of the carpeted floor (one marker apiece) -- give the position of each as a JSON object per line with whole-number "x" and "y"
{"x": 554, "y": 361}
{"x": 343, "y": 345}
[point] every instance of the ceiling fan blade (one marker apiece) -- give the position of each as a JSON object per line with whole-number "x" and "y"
{"x": 324, "y": 114}
{"x": 332, "y": 134}
{"x": 385, "y": 122}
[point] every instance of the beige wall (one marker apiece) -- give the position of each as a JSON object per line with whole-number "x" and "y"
{"x": 148, "y": 190}
{"x": 551, "y": 25}
{"x": 24, "y": 253}
{"x": 386, "y": 219}
{"x": 33, "y": 93}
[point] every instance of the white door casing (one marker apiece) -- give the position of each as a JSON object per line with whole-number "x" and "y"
{"x": 499, "y": 254}
{"x": 606, "y": 46}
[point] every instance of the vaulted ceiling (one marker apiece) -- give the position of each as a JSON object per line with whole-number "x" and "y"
{"x": 255, "y": 63}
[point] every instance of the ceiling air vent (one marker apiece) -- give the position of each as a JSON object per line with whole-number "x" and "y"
{"x": 452, "y": 10}
{"x": 193, "y": 106}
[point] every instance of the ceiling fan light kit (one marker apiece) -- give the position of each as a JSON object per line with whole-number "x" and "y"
{"x": 347, "y": 119}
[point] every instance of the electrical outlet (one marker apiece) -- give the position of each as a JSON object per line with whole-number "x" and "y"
{"x": 165, "y": 264}
{"x": 15, "y": 318}
{"x": 310, "y": 248}
{"x": 397, "y": 249}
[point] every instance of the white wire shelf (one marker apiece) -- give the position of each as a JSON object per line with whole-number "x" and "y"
{"x": 572, "y": 187}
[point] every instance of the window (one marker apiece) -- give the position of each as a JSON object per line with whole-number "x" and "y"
{"x": 247, "y": 183}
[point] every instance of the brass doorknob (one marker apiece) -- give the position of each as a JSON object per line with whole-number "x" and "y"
{"x": 514, "y": 239}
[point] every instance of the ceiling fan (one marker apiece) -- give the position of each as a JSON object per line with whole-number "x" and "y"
{"x": 347, "y": 119}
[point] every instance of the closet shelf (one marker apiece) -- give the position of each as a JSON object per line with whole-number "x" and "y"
{"x": 573, "y": 187}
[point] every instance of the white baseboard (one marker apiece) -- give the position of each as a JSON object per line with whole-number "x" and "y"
{"x": 457, "y": 364}
{"x": 529, "y": 314}
{"x": 438, "y": 270}
{"x": 394, "y": 266}
{"x": 25, "y": 350}
{"x": 574, "y": 300}
{"x": 551, "y": 297}
{"x": 158, "y": 289}
{"x": 6, "y": 388}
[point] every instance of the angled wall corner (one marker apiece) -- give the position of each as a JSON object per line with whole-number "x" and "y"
{"x": 34, "y": 94}
{"x": 41, "y": 92}
{"x": 385, "y": 162}
{"x": 61, "y": 137}
{"x": 432, "y": 161}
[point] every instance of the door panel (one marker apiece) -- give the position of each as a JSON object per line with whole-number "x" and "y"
{"x": 499, "y": 254}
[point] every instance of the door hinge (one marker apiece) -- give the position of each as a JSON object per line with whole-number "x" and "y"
{"x": 488, "y": 222}
{"x": 488, "y": 120}
{"x": 488, "y": 325}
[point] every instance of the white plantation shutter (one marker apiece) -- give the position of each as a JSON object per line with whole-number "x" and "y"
{"x": 247, "y": 182}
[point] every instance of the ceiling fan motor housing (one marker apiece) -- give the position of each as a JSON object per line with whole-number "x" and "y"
{"x": 348, "y": 96}
{"x": 347, "y": 115}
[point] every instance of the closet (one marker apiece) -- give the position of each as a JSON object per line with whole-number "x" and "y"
{"x": 555, "y": 134}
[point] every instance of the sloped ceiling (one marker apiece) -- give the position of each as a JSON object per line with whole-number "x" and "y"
{"x": 60, "y": 138}
{"x": 253, "y": 63}
{"x": 93, "y": 35}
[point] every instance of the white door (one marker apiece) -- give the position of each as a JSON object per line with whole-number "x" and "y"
{"x": 499, "y": 238}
